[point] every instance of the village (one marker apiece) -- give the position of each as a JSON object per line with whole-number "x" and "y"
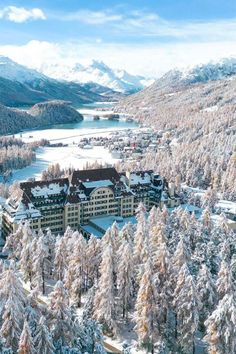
{"x": 129, "y": 144}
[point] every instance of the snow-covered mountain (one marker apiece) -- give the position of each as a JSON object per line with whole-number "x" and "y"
{"x": 20, "y": 85}
{"x": 15, "y": 72}
{"x": 202, "y": 73}
{"x": 99, "y": 73}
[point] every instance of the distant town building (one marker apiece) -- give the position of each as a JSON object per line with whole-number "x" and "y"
{"x": 85, "y": 194}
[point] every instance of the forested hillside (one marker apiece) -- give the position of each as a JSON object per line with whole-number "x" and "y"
{"x": 198, "y": 120}
{"x": 40, "y": 115}
{"x": 169, "y": 282}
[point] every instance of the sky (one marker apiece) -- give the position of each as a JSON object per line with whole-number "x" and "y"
{"x": 146, "y": 37}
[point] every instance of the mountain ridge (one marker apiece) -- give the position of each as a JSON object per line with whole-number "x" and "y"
{"x": 99, "y": 73}
{"x": 22, "y": 86}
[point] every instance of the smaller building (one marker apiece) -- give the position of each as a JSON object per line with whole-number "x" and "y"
{"x": 98, "y": 226}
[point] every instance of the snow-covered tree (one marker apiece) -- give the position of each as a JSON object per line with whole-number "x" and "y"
{"x": 221, "y": 327}
{"x": 61, "y": 322}
{"x": 104, "y": 301}
{"x": 11, "y": 289}
{"x": 60, "y": 261}
{"x": 225, "y": 282}
{"x": 26, "y": 258}
{"x": 43, "y": 340}
{"x": 26, "y": 345}
{"x": 125, "y": 276}
{"x": 12, "y": 324}
{"x": 206, "y": 292}
{"x": 186, "y": 305}
{"x": 91, "y": 338}
{"x": 41, "y": 265}
{"x": 146, "y": 310}
{"x": 93, "y": 259}
{"x": 141, "y": 236}
{"x": 182, "y": 254}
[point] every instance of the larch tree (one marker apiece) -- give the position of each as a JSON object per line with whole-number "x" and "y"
{"x": 104, "y": 300}
{"x": 125, "y": 276}
{"x": 221, "y": 327}
{"x": 145, "y": 315}
{"x": 12, "y": 324}
{"x": 60, "y": 260}
{"x": 207, "y": 293}
{"x": 182, "y": 254}
{"x": 41, "y": 265}
{"x": 93, "y": 260}
{"x": 43, "y": 340}
{"x": 26, "y": 345}
{"x": 186, "y": 304}
{"x": 11, "y": 288}
{"x": 26, "y": 256}
{"x": 127, "y": 232}
{"x": 60, "y": 320}
{"x": 225, "y": 282}
{"x": 141, "y": 236}
{"x": 13, "y": 242}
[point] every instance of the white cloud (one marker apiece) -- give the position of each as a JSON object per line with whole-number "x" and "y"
{"x": 91, "y": 17}
{"x": 143, "y": 24}
{"x": 146, "y": 59}
{"x": 21, "y": 14}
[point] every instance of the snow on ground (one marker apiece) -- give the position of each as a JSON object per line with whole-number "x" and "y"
{"x": 66, "y": 156}
{"x": 211, "y": 109}
{"x": 71, "y": 134}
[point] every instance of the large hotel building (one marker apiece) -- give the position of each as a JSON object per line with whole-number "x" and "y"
{"x": 83, "y": 197}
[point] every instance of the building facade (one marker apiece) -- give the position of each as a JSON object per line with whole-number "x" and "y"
{"x": 85, "y": 194}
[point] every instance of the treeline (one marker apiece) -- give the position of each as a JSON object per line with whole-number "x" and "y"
{"x": 171, "y": 279}
{"x": 15, "y": 154}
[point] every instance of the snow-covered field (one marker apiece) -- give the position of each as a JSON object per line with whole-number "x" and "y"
{"x": 71, "y": 155}
{"x": 66, "y": 157}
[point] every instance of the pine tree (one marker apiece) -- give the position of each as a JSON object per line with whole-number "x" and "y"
{"x": 26, "y": 345}
{"x": 104, "y": 301}
{"x": 43, "y": 339}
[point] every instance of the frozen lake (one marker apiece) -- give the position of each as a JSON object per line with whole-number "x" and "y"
{"x": 71, "y": 134}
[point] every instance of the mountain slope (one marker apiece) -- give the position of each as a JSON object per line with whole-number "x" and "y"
{"x": 195, "y": 116}
{"x": 204, "y": 87}
{"x": 99, "y": 73}
{"x": 22, "y": 86}
{"x": 42, "y": 114}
